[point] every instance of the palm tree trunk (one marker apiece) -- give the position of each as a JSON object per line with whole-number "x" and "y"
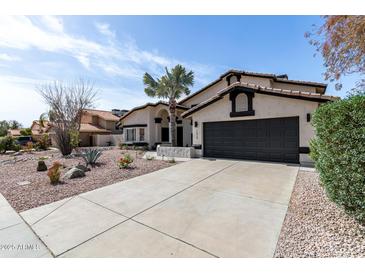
{"x": 172, "y": 110}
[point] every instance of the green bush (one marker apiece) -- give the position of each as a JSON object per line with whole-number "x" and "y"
{"x": 339, "y": 152}
{"x": 26, "y": 132}
{"x": 43, "y": 142}
{"x": 8, "y": 143}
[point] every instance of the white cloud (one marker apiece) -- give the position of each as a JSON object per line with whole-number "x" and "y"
{"x": 23, "y": 103}
{"x": 7, "y": 57}
{"x": 53, "y": 23}
{"x": 104, "y": 29}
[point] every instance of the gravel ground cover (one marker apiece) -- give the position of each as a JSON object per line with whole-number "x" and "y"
{"x": 15, "y": 170}
{"x": 316, "y": 227}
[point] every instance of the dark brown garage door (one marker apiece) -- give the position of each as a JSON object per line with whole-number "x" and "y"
{"x": 263, "y": 139}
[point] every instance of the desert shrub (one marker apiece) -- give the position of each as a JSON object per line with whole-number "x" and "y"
{"x": 43, "y": 142}
{"x": 339, "y": 152}
{"x": 125, "y": 161}
{"x": 74, "y": 138}
{"x": 29, "y": 147}
{"x": 123, "y": 146}
{"x": 8, "y": 143}
{"x": 16, "y": 147}
{"x": 26, "y": 132}
{"x": 54, "y": 173}
{"x": 91, "y": 155}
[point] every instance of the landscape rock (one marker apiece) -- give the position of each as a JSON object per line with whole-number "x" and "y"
{"x": 24, "y": 183}
{"x": 83, "y": 168}
{"x": 74, "y": 173}
{"x": 42, "y": 166}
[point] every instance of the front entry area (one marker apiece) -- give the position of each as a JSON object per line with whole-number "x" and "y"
{"x": 274, "y": 139}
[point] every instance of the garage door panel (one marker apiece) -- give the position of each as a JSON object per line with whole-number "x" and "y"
{"x": 263, "y": 139}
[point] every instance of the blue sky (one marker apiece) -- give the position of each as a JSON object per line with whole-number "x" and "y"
{"x": 115, "y": 51}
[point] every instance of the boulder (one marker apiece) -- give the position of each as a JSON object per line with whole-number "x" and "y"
{"x": 82, "y": 167}
{"x": 74, "y": 173}
{"x": 42, "y": 166}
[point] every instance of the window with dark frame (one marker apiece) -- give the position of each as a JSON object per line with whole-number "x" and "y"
{"x": 131, "y": 134}
{"x": 141, "y": 134}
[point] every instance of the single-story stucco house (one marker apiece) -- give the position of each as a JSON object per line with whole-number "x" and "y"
{"x": 241, "y": 115}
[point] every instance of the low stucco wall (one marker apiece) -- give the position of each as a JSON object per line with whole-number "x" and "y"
{"x": 103, "y": 140}
{"x": 179, "y": 152}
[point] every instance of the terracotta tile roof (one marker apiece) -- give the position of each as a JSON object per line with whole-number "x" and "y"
{"x": 303, "y": 95}
{"x": 104, "y": 114}
{"x": 275, "y": 77}
{"x": 92, "y": 129}
{"x": 151, "y": 105}
{"x": 14, "y": 132}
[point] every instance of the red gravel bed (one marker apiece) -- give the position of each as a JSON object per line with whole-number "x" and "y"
{"x": 41, "y": 192}
{"x": 316, "y": 227}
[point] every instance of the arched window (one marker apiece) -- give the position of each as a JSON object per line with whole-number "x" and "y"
{"x": 241, "y": 102}
{"x": 241, "y": 99}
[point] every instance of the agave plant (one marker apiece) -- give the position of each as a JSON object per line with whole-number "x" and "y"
{"x": 91, "y": 155}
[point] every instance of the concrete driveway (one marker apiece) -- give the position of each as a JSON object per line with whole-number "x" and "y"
{"x": 200, "y": 208}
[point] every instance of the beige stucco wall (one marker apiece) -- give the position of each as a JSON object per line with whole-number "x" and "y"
{"x": 206, "y": 94}
{"x": 265, "y": 106}
{"x": 153, "y": 130}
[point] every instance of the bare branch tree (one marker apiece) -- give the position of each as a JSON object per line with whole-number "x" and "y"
{"x": 67, "y": 102}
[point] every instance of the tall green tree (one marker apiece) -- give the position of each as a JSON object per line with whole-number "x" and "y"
{"x": 170, "y": 86}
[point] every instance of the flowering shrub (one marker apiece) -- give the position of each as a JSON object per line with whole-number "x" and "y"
{"x": 54, "y": 173}
{"x": 125, "y": 161}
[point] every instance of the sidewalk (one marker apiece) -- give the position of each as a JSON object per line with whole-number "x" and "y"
{"x": 17, "y": 240}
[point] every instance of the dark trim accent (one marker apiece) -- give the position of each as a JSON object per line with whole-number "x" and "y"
{"x": 135, "y": 125}
{"x": 242, "y": 113}
{"x": 158, "y": 120}
{"x": 228, "y": 78}
{"x": 197, "y": 146}
{"x": 193, "y": 105}
{"x": 304, "y": 150}
{"x": 233, "y": 95}
{"x": 179, "y": 122}
{"x": 308, "y": 117}
{"x": 196, "y": 124}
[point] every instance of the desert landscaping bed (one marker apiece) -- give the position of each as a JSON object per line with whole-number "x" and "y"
{"x": 26, "y": 188}
{"x": 316, "y": 227}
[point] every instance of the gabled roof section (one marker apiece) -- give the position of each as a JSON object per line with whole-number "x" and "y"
{"x": 302, "y": 95}
{"x": 277, "y": 78}
{"x": 151, "y": 105}
{"x": 89, "y": 128}
{"x": 103, "y": 114}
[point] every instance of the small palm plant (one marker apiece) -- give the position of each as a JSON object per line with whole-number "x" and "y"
{"x": 171, "y": 86}
{"x": 90, "y": 156}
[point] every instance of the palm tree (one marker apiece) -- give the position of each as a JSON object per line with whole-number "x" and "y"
{"x": 42, "y": 119}
{"x": 171, "y": 86}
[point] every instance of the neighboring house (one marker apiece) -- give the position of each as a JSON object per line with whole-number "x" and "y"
{"x": 100, "y": 128}
{"x": 241, "y": 115}
{"x": 38, "y": 130}
{"x": 14, "y": 132}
